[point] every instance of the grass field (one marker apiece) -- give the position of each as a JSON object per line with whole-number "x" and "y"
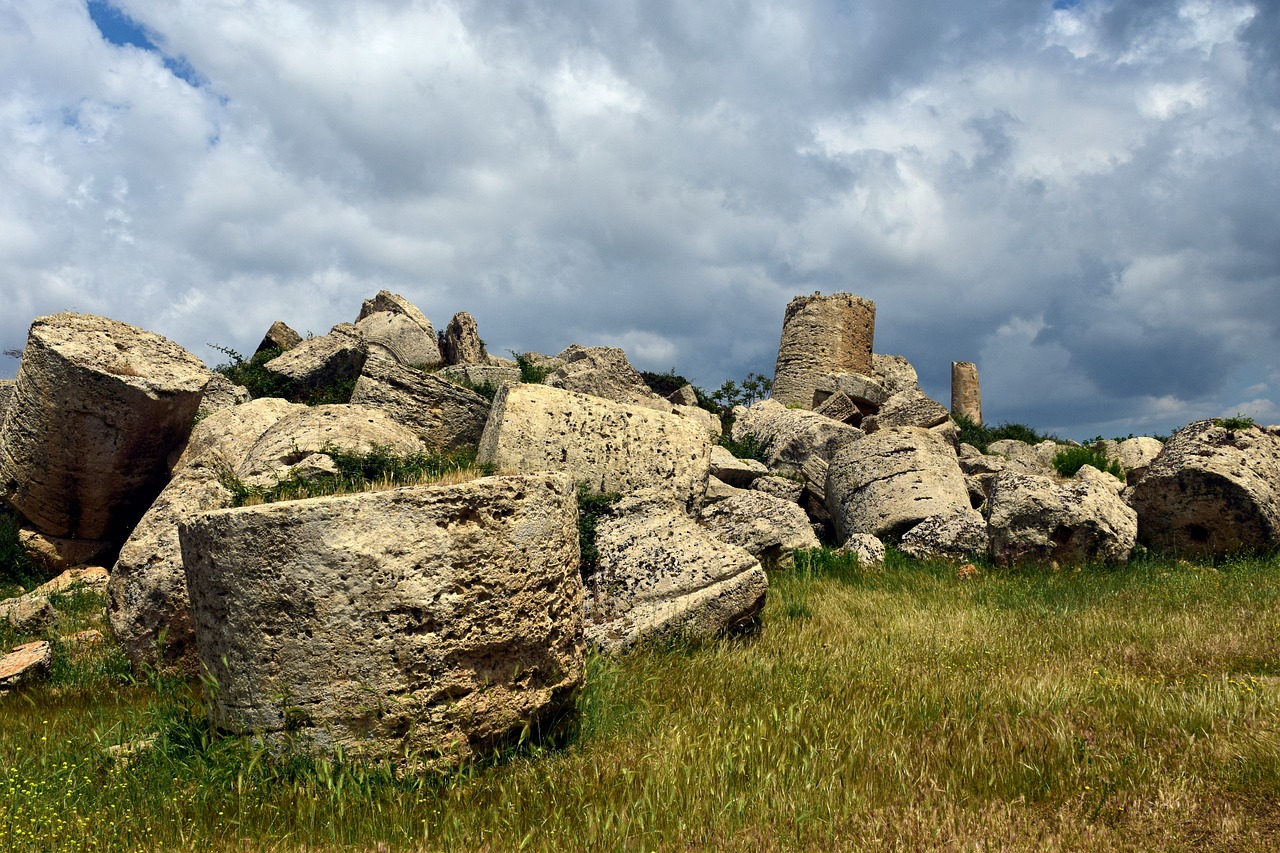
{"x": 1129, "y": 709}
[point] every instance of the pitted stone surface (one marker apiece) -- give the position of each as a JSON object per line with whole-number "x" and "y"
{"x": 425, "y": 625}
{"x": 791, "y": 436}
{"x": 613, "y": 447}
{"x": 99, "y": 405}
{"x": 769, "y": 528}
{"x": 867, "y": 548}
{"x": 398, "y": 337}
{"x": 734, "y": 471}
{"x": 325, "y": 360}
{"x": 221, "y": 393}
{"x": 1211, "y": 491}
{"x": 478, "y": 374}
{"x": 907, "y": 409}
{"x": 895, "y": 373}
{"x": 604, "y": 372}
{"x": 660, "y": 575}
{"x": 1039, "y": 519}
{"x": 892, "y": 480}
{"x": 444, "y": 415}
{"x": 958, "y": 537}
{"x": 822, "y": 335}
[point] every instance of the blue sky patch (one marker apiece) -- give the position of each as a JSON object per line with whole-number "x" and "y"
{"x": 119, "y": 29}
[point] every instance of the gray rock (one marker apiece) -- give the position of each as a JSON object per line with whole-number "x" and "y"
{"x": 660, "y": 575}
{"x": 1036, "y": 518}
{"x": 1211, "y": 491}
{"x": 734, "y": 471}
{"x": 604, "y": 372}
{"x": 322, "y": 361}
{"x": 1133, "y": 454}
{"x": 460, "y": 341}
{"x": 147, "y": 593}
{"x": 779, "y": 487}
{"x": 791, "y": 436}
{"x": 28, "y": 614}
{"x": 444, "y": 414}
{"x": 425, "y": 626}
{"x": 957, "y": 537}
{"x": 769, "y": 528}
{"x": 868, "y": 549}
{"x": 683, "y": 396}
{"x": 613, "y": 447}
{"x": 895, "y": 373}
{"x": 1026, "y": 458}
{"x": 892, "y": 480}
{"x": 280, "y": 337}
{"x": 98, "y": 407}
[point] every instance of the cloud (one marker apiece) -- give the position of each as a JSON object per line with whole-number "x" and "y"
{"x": 1078, "y": 196}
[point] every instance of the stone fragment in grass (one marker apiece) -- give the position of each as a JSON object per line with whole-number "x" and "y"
{"x": 1040, "y": 519}
{"x": 24, "y": 663}
{"x": 769, "y": 528}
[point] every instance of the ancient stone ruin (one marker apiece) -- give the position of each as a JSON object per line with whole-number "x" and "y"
{"x": 430, "y": 622}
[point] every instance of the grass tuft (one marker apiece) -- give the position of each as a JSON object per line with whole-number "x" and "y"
{"x": 1069, "y": 460}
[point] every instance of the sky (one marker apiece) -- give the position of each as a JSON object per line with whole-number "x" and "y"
{"x": 1081, "y": 197}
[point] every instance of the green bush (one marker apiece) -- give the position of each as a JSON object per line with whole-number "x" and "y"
{"x": 751, "y": 446}
{"x": 253, "y": 375}
{"x": 530, "y": 372}
{"x": 981, "y": 435}
{"x": 755, "y": 387}
{"x": 16, "y": 568}
{"x": 1069, "y": 460}
{"x": 1235, "y": 423}
{"x": 666, "y": 384}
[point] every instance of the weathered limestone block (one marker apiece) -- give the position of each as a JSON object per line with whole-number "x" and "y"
{"x": 280, "y": 337}
{"x": 957, "y": 537}
{"x": 683, "y": 396}
{"x": 7, "y": 387}
{"x": 610, "y": 446}
{"x": 660, "y": 575}
{"x": 895, "y": 373}
{"x": 707, "y": 420}
{"x": 221, "y": 393}
{"x": 821, "y": 335}
{"x": 1026, "y": 458}
{"x": 1035, "y": 518}
{"x": 1211, "y": 491}
{"x": 386, "y": 302}
{"x": 966, "y": 396}
{"x": 460, "y": 341}
{"x": 24, "y": 663}
{"x": 604, "y": 372}
{"x": 99, "y": 407}
{"x": 718, "y": 490}
{"x": 867, "y": 392}
{"x": 444, "y": 415}
{"x": 147, "y": 593}
{"x": 892, "y": 480}
{"x": 734, "y": 471}
{"x": 322, "y": 361}
{"x": 301, "y": 434}
{"x": 769, "y": 528}
{"x": 791, "y": 436}
{"x": 907, "y": 408}
{"x": 425, "y": 625}
{"x": 28, "y": 614}
{"x": 868, "y": 549}
{"x": 478, "y": 374}
{"x": 839, "y": 407}
{"x": 399, "y": 338}
{"x": 1133, "y": 454}
{"x": 779, "y": 487}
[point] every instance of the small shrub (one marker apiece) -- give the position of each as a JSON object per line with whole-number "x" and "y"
{"x": 253, "y": 375}
{"x": 666, "y": 384}
{"x": 750, "y": 446}
{"x": 486, "y": 389}
{"x": 530, "y": 372}
{"x": 981, "y": 435}
{"x": 755, "y": 387}
{"x": 591, "y": 506}
{"x": 1069, "y": 460}
{"x": 1234, "y": 423}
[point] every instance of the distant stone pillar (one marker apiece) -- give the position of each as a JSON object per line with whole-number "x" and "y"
{"x": 966, "y": 397}
{"x": 98, "y": 407}
{"x": 821, "y": 335}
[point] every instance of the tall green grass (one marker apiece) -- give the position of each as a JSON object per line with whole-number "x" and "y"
{"x": 896, "y": 708}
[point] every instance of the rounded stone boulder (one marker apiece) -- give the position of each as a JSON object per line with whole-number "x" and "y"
{"x": 1212, "y": 490}
{"x": 98, "y": 407}
{"x": 424, "y": 625}
{"x": 892, "y": 480}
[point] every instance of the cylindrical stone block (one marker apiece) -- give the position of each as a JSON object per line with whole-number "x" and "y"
{"x": 99, "y": 406}
{"x": 966, "y": 397}
{"x": 821, "y": 335}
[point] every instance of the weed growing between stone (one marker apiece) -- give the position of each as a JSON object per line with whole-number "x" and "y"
{"x": 1093, "y": 708}
{"x": 530, "y": 373}
{"x": 251, "y": 374}
{"x": 591, "y": 506}
{"x": 1069, "y": 460}
{"x": 379, "y": 468}
{"x": 980, "y": 435}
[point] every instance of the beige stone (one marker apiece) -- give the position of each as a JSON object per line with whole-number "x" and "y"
{"x": 445, "y": 415}
{"x": 496, "y": 375}
{"x": 322, "y": 361}
{"x": 425, "y": 625}
{"x": 866, "y": 392}
{"x": 892, "y": 480}
{"x": 1039, "y": 519}
{"x": 1212, "y": 491}
{"x": 718, "y": 490}
{"x": 1133, "y": 454}
{"x": 869, "y": 550}
{"x": 400, "y": 339}
{"x": 55, "y": 553}
{"x": 1026, "y": 458}
{"x": 24, "y": 663}
{"x": 147, "y": 602}
{"x": 221, "y": 393}
{"x": 839, "y": 407}
{"x": 769, "y": 528}
{"x": 791, "y": 436}
{"x": 280, "y": 337}
{"x": 683, "y": 396}
{"x": 300, "y": 434}
{"x": 907, "y": 409}
{"x": 7, "y": 387}
{"x": 966, "y": 396}
{"x": 99, "y": 407}
{"x": 86, "y": 578}
{"x": 779, "y": 487}
{"x": 460, "y": 341}
{"x": 957, "y": 537}
{"x": 822, "y": 335}
{"x": 734, "y": 471}
{"x": 612, "y": 447}
{"x": 604, "y": 372}
{"x": 659, "y": 575}
{"x": 28, "y": 614}
{"x": 895, "y": 374}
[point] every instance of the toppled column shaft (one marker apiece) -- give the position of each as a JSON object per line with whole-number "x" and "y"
{"x": 821, "y": 335}
{"x": 966, "y": 397}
